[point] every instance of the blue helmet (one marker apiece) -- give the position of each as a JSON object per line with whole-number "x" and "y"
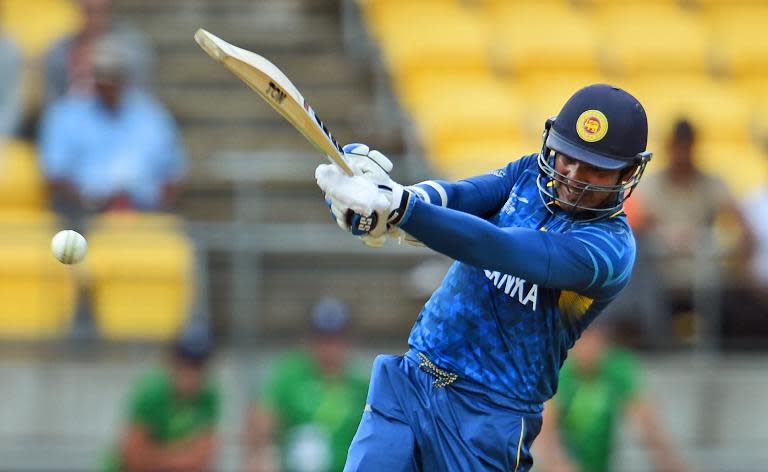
{"x": 605, "y": 127}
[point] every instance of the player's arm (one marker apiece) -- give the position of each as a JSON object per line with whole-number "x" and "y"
{"x": 140, "y": 453}
{"x": 570, "y": 261}
{"x": 641, "y": 414}
{"x": 481, "y": 195}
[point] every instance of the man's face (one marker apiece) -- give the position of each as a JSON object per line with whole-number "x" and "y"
{"x": 330, "y": 351}
{"x": 188, "y": 377}
{"x": 681, "y": 154}
{"x": 109, "y": 90}
{"x": 572, "y": 192}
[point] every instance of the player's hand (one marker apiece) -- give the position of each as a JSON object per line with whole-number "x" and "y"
{"x": 360, "y": 205}
{"x": 376, "y": 167}
{"x": 368, "y": 162}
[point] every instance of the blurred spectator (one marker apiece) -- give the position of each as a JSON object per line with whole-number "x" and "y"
{"x": 68, "y": 62}
{"x": 311, "y": 403}
{"x": 599, "y": 386}
{"x": 172, "y": 413}
{"x": 116, "y": 148}
{"x": 746, "y": 321}
{"x": 10, "y": 92}
{"x": 683, "y": 205}
{"x": 755, "y": 210}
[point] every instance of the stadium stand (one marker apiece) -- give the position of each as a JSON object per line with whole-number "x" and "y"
{"x": 701, "y": 60}
{"x": 38, "y": 294}
{"x": 22, "y": 187}
{"x": 141, "y": 274}
{"x": 35, "y": 25}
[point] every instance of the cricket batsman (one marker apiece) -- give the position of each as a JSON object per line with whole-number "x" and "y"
{"x": 541, "y": 247}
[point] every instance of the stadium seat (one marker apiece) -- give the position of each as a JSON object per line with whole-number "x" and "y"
{"x": 429, "y": 35}
{"x": 544, "y": 94}
{"x": 462, "y": 158}
{"x": 716, "y": 107}
{"x": 22, "y": 187}
{"x": 34, "y": 25}
{"x": 743, "y": 166}
{"x": 550, "y": 37}
{"x": 462, "y": 107}
{"x": 656, "y": 38}
{"x": 739, "y": 43}
{"x": 142, "y": 274}
{"x": 39, "y": 294}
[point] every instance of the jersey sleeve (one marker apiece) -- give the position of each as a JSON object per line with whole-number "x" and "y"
{"x": 481, "y": 195}
{"x": 592, "y": 260}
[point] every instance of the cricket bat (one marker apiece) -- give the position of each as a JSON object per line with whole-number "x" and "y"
{"x": 277, "y": 90}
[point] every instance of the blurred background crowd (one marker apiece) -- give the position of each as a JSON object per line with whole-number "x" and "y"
{"x": 221, "y": 322}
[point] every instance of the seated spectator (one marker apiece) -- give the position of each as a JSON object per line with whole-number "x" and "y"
{"x": 172, "y": 413}
{"x": 68, "y": 62}
{"x": 311, "y": 403}
{"x": 683, "y": 204}
{"x": 10, "y": 92}
{"x": 599, "y": 387}
{"x": 115, "y": 148}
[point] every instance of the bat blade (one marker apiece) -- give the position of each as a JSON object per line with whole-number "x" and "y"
{"x": 277, "y": 90}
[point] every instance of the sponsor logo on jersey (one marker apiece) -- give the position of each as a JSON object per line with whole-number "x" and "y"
{"x": 592, "y": 126}
{"x": 515, "y": 288}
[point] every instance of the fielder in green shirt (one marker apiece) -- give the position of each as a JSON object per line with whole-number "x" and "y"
{"x": 172, "y": 414}
{"x": 599, "y": 386}
{"x": 311, "y": 402}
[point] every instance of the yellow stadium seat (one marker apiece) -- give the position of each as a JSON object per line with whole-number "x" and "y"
{"x": 739, "y": 42}
{"x": 656, "y": 38}
{"x": 545, "y": 94}
{"x": 34, "y": 25}
{"x": 716, "y": 108}
{"x": 550, "y": 37}
{"x": 462, "y": 158}
{"x": 429, "y": 35}
{"x": 142, "y": 276}
{"x": 39, "y": 294}
{"x": 462, "y": 107}
{"x": 22, "y": 185}
{"x": 743, "y": 166}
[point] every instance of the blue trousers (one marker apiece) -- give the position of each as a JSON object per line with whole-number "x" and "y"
{"x": 409, "y": 424}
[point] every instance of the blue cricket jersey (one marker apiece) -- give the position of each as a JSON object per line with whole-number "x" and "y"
{"x": 525, "y": 283}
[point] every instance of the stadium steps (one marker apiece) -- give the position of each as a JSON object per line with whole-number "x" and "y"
{"x": 217, "y": 112}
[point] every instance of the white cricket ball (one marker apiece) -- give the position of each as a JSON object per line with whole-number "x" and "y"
{"x": 69, "y": 246}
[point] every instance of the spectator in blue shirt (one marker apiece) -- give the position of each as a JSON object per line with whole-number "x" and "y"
{"x": 117, "y": 147}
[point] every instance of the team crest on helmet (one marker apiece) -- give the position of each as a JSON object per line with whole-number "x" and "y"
{"x": 592, "y": 126}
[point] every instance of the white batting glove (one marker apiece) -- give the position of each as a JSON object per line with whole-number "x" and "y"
{"x": 361, "y": 206}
